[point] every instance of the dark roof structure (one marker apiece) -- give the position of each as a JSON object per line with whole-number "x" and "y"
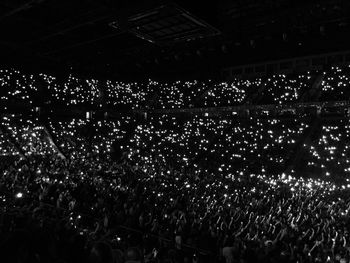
{"x": 131, "y": 39}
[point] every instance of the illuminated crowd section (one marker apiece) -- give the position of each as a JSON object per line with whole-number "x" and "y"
{"x": 220, "y": 146}
{"x": 335, "y": 84}
{"x": 32, "y": 90}
{"x": 30, "y": 136}
{"x": 78, "y": 137}
{"x": 252, "y": 178}
{"x": 224, "y": 146}
{"x": 17, "y": 88}
{"x": 280, "y": 89}
{"x": 327, "y": 151}
{"x": 6, "y": 147}
{"x": 74, "y": 91}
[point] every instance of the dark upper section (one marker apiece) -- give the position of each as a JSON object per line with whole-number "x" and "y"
{"x": 131, "y": 39}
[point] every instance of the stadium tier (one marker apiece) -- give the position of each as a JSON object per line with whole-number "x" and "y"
{"x": 257, "y": 187}
{"x": 35, "y": 90}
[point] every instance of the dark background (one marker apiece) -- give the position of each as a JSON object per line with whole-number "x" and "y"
{"x": 182, "y": 39}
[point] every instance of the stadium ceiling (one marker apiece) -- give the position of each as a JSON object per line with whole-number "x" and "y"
{"x": 130, "y": 38}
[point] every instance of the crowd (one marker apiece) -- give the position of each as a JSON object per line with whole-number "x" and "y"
{"x": 282, "y": 89}
{"x": 41, "y": 89}
{"x": 29, "y": 134}
{"x": 195, "y": 189}
{"x": 326, "y": 151}
{"x": 223, "y": 187}
{"x": 72, "y": 136}
{"x": 335, "y": 84}
{"x": 7, "y": 149}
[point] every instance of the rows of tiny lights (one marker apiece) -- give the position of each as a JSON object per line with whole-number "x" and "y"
{"x": 6, "y": 147}
{"x": 68, "y": 138}
{"x": 31, "y": 137}
{"x": 224, "y": 94}
{"x": 132, "y": 94}
{"x": 209, "y": 159}
{"x": 179, "y": 94}
{"x": 77, "y": 91}
{"x": 174, "y": 95}
{"x": 219, "y": 145}
{"x": 192, "y": 91}
{"x": 171, "y": 96}
{"x": 174, "y": 146}
{"x": 16, "y": 87}
{"x": 282, "y": 89}
{"x": 80, "y": 137}
{"x": 210, "y": 147}
{"x": 229, "y": 144}
{"x": 335, "y": 84}
{"x": 329, "y": 154}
